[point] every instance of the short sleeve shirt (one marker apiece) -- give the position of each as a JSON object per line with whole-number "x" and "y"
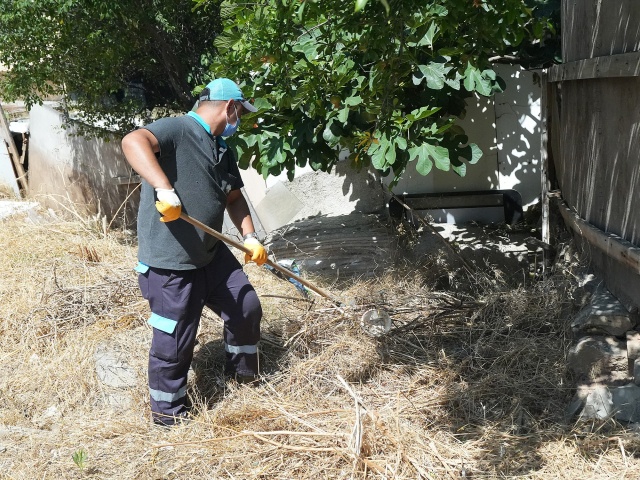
{"x": 203, "y": 172}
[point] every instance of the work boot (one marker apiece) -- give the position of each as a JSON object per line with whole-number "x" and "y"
{"x": 252, "y": 380}
{"x": 172, "y": 421}
{"x": 182, "y": 418}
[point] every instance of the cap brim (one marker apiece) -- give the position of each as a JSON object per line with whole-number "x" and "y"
{"x": 248, "y": 107}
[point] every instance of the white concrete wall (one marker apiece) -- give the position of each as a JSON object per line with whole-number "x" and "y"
{"x": 518, "y": 119}
{"x": 76, "y": 171}
{"x": 506, "y": 127}
{"x": 343, "y": 191}
{"x": 8, "y": 182}
{"x": 479, "y": 125}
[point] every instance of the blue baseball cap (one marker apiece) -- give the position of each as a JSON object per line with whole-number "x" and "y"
{"x": 225, "y": 89}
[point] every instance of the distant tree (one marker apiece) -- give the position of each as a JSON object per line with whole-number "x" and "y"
{"x": 105, "y": 55}
{"x": 383, "y": 80}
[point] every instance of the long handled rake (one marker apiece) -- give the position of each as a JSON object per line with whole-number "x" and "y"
{"x": 374, "y": 321}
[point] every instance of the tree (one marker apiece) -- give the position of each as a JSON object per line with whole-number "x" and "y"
{"x": 110, "y": 58}
{"x": 384, "y": 80}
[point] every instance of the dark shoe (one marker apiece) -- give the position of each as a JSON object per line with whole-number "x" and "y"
{"x": 252, "y": 380}
{"x": 167, "y": 421}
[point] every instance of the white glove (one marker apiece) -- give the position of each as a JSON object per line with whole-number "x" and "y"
{"x": 168, "y": 196}
{"x": 168, "y": 204}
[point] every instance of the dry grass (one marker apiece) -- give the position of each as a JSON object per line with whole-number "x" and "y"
{"x": 469, "y": 383}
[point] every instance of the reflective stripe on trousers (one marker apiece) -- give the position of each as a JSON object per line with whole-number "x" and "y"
{"x": 160, "y": 396}
{"x": 180, "y": 296}
{"x": 236, "y": 349}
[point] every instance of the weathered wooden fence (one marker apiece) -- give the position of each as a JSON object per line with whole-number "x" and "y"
{"x": 591, "y": 106}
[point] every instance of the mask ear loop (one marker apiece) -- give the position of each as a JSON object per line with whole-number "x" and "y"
{"x": 237, "y": 118}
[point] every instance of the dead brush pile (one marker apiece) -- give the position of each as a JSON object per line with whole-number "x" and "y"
{"x": 468, "y": 383}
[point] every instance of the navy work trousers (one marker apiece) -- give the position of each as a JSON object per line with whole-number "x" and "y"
{"x": 177, "y": 298}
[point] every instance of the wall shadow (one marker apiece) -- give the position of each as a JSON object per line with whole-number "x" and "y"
{"x": 110, "y": 182}
{"x": 89, "y": 175}
{"x": 518, "y": 133}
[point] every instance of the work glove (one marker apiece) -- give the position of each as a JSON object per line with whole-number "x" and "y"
{"x": 258, "y": 253}
{"x": 168, "y": 204}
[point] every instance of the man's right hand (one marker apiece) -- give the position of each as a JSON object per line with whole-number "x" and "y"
{"x": 168, "y": 204}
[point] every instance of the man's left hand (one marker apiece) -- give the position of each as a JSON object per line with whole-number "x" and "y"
{"x": 258, "y": 253}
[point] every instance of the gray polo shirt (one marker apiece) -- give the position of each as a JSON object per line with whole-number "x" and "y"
{"x": 202, "y": 172}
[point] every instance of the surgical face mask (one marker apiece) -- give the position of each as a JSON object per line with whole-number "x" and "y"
{"x": 231, "y": 129}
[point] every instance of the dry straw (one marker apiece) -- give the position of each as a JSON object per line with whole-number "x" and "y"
{"x": 469, "y": 383}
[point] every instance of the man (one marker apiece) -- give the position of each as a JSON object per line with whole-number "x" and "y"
{"x": 186, "y": 166}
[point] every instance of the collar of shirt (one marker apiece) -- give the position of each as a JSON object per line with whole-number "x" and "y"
{"x": 221, "y": 143}
{"x": 202, "y": 123}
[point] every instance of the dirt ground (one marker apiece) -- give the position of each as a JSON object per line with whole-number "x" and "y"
{"x": 470, "y": 382}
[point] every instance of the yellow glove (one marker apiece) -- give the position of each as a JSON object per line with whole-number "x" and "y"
{"x": 258, "y": 253}
{"x": 168, "y": 204}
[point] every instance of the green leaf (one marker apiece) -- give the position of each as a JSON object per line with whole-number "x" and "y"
{"x": 427, "y": 155}
{"x": 276, "y": 153}
{"x": 227, "y": 40}
{"x": 455, "y": 81}
{"x": 80, "y": 458}
{"x": 476, "y": 153}
{"x": 421, "y": 113}
{"x": 438, "y": 10}
{"x": 228, "y": 10}
{"x": 440, "y": 156}
{"x": 460, "y": 169}
{"x": 435, "y": 75}
{"x": 309, "y": 47}
{"x": 427, "y": 40}
{"x": 262, "y": 103}
{"x": 343, "y": 115}
{"x": 469, "y": 79}
{"x": 474, "y": 80}
{"x": 264, "y": 170}
{"x": 391, "y": 155}
{"x": 424, "y": 164}
{"x": 332, "y": 133}
{"x": 490, "y": 74}
{"x": 443, "y": 128}
{"x": 378, "y": 154}
{"x": 300, "y": 12}
{"x": 360, "y": 4}
{"x": 316, "y": 160}
{"x": 449, "y": 51}
{"x": 353, "y": 101}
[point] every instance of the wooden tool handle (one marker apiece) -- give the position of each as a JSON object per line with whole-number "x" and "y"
{"x": 244, "y": 249}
